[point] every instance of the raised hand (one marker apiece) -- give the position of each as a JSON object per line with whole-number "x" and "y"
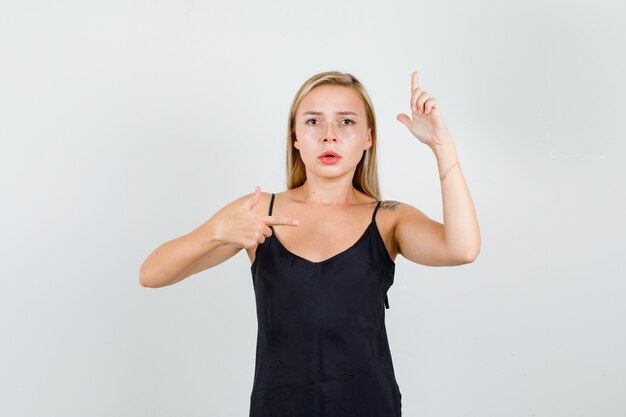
{"x": 243, "y": 228}
{"x": 425, "y": 123}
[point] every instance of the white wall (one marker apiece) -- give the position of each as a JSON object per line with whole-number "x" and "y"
{"x": 124, "y": 124}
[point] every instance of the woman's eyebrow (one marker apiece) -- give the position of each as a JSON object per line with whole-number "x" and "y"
{"x": 319, "y": 113}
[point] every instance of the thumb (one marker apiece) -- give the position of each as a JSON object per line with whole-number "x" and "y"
{"x": 404, "y": 119}
{"x": 254, "y": 199}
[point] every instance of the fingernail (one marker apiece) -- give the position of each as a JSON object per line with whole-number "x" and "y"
{"x": 295, "y": 222}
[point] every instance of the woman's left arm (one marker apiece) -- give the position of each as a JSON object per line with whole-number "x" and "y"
{"x": 419, "y": 238}
{"x": 462, "y": 234}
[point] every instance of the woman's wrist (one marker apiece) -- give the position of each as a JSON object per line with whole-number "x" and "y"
{"x": 443, "y": 146}
{"x": 447, "y": 158}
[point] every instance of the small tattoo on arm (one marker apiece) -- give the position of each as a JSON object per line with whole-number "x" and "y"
{"x": 390, "y": 205}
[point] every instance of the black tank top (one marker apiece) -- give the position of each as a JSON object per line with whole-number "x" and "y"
{"x": 322, "y": 348}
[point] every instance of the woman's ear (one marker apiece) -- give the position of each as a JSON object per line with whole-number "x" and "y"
{"x": 296, "y": 144}
{"x": 369, "y": 142}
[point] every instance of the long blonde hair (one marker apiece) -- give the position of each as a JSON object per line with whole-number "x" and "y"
{"x": 366, "y": 174}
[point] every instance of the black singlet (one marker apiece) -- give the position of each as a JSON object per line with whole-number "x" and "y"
{"x": 322, "y": 348}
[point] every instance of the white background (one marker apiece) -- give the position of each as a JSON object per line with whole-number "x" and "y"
{"x": 124, "y": 124}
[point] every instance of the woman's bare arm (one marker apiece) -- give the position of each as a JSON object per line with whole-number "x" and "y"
{"x": 189, "y": 254}
{"x": 420, "y": 239}
{"x": 184, "y": 256}
{"x": 234, "y": 227}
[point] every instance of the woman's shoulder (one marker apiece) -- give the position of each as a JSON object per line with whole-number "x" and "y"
{"x": 390, "y": 205}
{"x": 387, "y": 213}
{"x": 394, "y": 211}
{"x": 261, "y": 205}
{"x": 396, "y": 206}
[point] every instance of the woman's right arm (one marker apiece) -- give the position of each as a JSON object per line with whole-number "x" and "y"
{"x": 231, "y": 229}
{"x": 175, "y": 260}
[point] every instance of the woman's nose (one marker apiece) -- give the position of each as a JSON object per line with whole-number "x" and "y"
{"x": 330, "y": 133}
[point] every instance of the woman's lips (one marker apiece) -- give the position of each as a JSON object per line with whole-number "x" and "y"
{"x": 329, "y": 160}
{"x": 329, "y": 157}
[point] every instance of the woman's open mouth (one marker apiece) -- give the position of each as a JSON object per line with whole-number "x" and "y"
{"x": 330, "y": 157}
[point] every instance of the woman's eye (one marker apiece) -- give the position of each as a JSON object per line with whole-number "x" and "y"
{"x": 309, "y": 122}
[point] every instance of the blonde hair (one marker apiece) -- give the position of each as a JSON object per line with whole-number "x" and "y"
{"x": 366, "y": 174}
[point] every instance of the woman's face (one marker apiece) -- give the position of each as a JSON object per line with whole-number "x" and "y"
{"x": 331, "y": 117}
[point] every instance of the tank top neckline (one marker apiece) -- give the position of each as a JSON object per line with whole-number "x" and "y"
{"x": 337, "y": 255}
{"x": 345, "y": 251}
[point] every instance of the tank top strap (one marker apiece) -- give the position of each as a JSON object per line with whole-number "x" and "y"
{"x": 271, "y": 205}
{"x": 373, "y": 218}
{"x": 375, "y": 210}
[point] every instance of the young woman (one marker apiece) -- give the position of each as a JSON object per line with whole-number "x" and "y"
{"x": 323, "y": 253}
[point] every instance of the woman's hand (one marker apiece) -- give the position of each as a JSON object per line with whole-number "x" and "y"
{"x": 426, "y": 123}
{"x": 243, "y": 228}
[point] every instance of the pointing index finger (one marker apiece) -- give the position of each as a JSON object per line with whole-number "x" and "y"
{"x": 280, "y": 221}
{"x": 414, "y": 81}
